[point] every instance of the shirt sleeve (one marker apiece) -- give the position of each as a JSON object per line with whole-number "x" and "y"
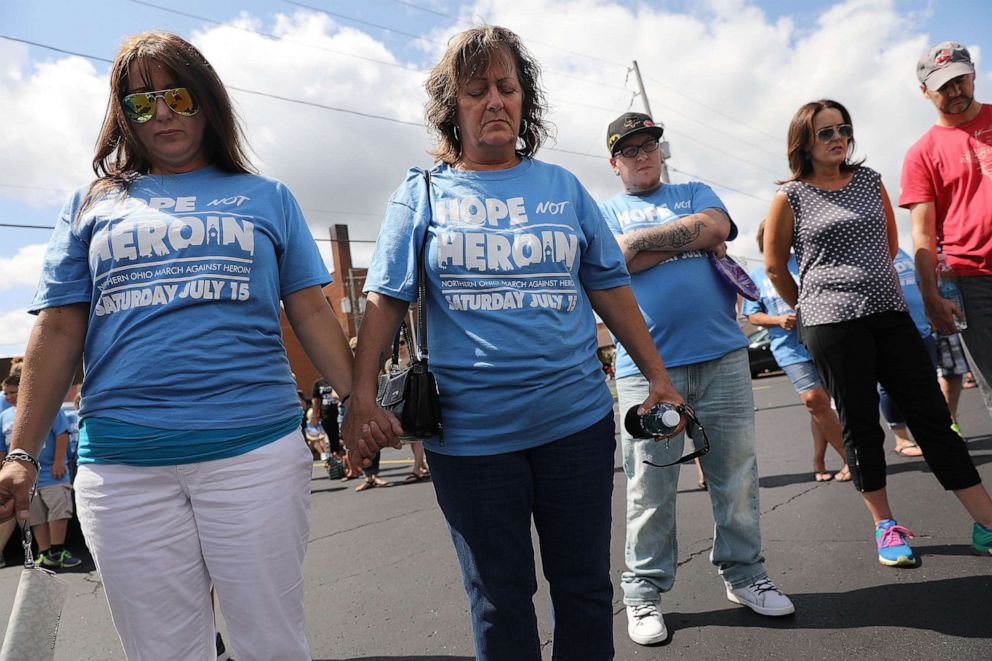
{"x": 61, "y": 424}
{"x": 602, "y": 264}
{"x": 393, "y": 271}
{"x": 916, "y": 183}
{"x": 4, "y": 444}
{"x": 300, "y": 263}
{"x": 65, "y": 271}
{"x": 750, "y": 307}
{"x": 704, "y": 198}
{"x": 610, "y": 218}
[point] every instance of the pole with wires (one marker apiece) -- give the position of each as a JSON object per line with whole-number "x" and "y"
{"x": 666, "y": 150}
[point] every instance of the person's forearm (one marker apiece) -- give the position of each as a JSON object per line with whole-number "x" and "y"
{"x": 763, "y": 319}
{"x": 383, "y": 315}
{"x": 699, "y": 231}
{"x": 618, "y": 309}
{"x": 642, "y": 261}
{"x": 321, "y": 335}
{"x": 925, "y": 252}
{"x": 50, "y": 361}
{"x": 61, "y": 445}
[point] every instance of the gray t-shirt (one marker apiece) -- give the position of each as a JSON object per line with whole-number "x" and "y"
{"x": 842, "y": 248}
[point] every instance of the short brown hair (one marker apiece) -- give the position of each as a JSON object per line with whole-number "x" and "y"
{"x": 801, "y": 139}
{"x": 120, "y": 156}
{"x": 12, "y": 380}
{"x": 468, "y": 54}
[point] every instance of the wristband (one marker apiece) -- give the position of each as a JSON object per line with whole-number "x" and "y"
{"x": 22, "y": 456}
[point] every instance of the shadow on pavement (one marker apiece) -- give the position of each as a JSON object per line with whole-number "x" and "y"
{"x": 947, "y": 607}
{"x": 403, "y": 658}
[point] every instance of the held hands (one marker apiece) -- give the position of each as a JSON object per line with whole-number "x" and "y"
{"x": 16, "y": 480}
{"x": 787, "y": 321}
{"x": 942, "y": 314}
{"x": 367, "y": 429}
{"x": 660, "y": 389}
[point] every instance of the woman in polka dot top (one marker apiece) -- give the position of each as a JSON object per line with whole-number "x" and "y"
{"x": 834, "y": 212}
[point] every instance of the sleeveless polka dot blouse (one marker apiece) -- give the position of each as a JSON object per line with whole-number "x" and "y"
{"x": 845, "y": 271}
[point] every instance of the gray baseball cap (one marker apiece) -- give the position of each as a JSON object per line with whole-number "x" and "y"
{"x": 940, "y": 63}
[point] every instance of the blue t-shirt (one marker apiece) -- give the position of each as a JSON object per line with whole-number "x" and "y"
{"x": 184, "y": 278}
{"x": 47, "y": 456}
{"x": 785, "y": 344}
{"x": 4, "y": 404}
{"x": 906, "y": 271}
{"x": 510, "y": 256}
{"x": 688, "y": 308}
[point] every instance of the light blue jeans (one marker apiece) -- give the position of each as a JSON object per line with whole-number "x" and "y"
{"x": 720, "y": 392}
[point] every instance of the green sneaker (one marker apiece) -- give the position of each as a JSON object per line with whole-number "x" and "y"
{"x": 956, "y": 428}
{"x": 60, "y": 560}
{"x": 981, "y": 540}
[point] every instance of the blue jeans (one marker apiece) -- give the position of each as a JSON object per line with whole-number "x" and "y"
{"x": 720, "y": 392}
{"x": 566, "y": 486}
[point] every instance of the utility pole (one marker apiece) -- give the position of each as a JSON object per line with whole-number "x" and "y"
{"x": 666, "y": 150}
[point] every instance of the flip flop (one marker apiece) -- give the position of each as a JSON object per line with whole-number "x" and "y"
{"x": 843, "y": 475}
{"x": 822, "y": 476}
{"x": 413, "y": 477}
{"x": 904, "y": 451}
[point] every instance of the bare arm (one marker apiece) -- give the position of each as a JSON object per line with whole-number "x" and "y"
{"x": 367, "y": 426}
{"x": 53, "y": 353}
{"x": 319, "y": 332}
{"x": 58, "y": 462}
{"x": 618, "y": 309}
{"x": 700, "y": 231}
{"x": 779, "y": 227}
{"x": 891, "y": 231}
{"x": 940, "y": 311}
{"x": 784, "y": 321}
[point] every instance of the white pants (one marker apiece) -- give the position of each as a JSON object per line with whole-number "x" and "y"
{"x": 161, "y": 536}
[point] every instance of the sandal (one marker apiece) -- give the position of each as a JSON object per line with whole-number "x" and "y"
{"x": 414, "y": 477}
{"x": 911, "y": 451}
{"x": 843, "y": 475}
{"x": 372, "y": 483}
{"x": 822, "y": 476}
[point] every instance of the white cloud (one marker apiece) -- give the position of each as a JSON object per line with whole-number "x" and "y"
{"x": 15, "y": 328}
{"x": 23, "y": 268}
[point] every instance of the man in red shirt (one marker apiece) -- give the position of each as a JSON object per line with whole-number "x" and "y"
{"x": 947, "y": 187}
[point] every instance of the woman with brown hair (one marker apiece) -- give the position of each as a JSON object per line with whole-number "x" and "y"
{"x": 166, "y": 275}
{"x": 517, "y": 259}
{"x": 853, "y": 318}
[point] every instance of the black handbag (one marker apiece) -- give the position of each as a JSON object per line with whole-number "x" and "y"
{"x": 410, "y": 393}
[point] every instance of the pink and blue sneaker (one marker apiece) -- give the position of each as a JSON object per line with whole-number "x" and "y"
{"x": 893, "y": 549}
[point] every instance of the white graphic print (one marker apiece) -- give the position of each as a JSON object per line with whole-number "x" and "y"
{"x": 491, "y": 256}
{"x": 162, "y": 250}
{"x": 981, "y": 153}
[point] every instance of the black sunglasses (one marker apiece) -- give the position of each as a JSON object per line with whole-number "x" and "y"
{"x": 826, "y": 134}
{"x": 692, "y": 426}
{"x": 630, "y": 151}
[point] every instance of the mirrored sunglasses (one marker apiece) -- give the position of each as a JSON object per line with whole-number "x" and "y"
{"x": 692, "y": 443}
{"x": 140, "y": 106}
{"x": 826, "y": 134}
{"x": 630, "y": 151}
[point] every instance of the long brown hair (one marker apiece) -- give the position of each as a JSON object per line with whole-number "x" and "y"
{"x": 120, "y": 157}
{"x": 802, "y": 136}
{"x": 470, "y": 53}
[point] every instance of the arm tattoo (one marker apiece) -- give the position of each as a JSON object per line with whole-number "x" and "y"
{"x": 667, "y": 237}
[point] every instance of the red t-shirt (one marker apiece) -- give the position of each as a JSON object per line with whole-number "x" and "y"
{"x": 951, "y": 166}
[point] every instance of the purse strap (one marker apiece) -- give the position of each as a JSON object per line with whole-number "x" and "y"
{"x": 422, "y": 275}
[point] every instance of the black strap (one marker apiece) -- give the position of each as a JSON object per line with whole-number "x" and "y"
{"x": 422, "y": 275}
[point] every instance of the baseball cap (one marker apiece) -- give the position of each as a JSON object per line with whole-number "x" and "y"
{"x": 940, "y": 63}
{"x": 628, "y": 124}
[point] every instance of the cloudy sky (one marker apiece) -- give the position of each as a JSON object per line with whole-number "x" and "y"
{"x": 724, "y": 76}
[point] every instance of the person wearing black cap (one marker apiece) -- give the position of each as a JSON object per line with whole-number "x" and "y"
{"x": 947, "y": 187}
{"x": 664, "y": 232}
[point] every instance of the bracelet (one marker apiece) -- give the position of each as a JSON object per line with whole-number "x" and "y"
{"x": 24, "y": 456}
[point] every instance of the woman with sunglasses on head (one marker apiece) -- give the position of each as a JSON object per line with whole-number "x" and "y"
{"x": 165, "y": 275}
{"x": 517, "y": 258}
{"x": 853, "y": 318}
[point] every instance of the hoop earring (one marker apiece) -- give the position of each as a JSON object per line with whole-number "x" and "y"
{"x": 524, "y": 126}
{"x": 454, "y": 128}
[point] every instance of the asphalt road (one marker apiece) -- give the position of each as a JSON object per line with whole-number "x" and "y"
{"x": 382, "y": 581}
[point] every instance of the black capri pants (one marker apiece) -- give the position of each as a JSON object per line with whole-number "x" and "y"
{"x": 851, "y": 356}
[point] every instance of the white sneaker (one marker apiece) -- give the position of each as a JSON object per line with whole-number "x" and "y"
{"x": 763, "y": 598}
{"x": 645, "y": 626}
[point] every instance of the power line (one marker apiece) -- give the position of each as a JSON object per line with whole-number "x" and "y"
{"x": 277, "y": 37}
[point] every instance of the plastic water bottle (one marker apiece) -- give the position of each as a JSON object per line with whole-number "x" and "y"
{"x": 660, "y": 420}
{"x": 948, "y": 288}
